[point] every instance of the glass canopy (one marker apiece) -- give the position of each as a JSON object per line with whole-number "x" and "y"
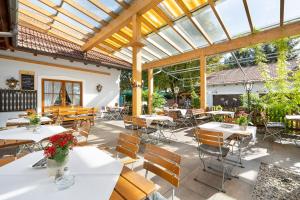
{"x": 170, "y": 28}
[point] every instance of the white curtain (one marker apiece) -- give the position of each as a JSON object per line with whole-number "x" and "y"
{"x": 47, "y": 92}
{"x": 56, "y": 91}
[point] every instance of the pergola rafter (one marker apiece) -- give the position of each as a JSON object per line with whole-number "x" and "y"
{"x": 189, "y": 15}
{"x": 248, "y": 15}
{"x": 212, "y": 5}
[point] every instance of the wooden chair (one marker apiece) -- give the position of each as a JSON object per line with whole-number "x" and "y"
{"x": 128, "y": 145}
{"x": 6, "y": 159}
{"x": 272, "y": 129}
{"x": 128, "y": 122}
{"x": 143, "y": 129}
{"x": 82, "y": 131}
{"x": 211, "y": 144}
{"x": 164, "y": 164}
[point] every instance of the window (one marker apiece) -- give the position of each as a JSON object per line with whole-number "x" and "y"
{"x": 61, "y": 93}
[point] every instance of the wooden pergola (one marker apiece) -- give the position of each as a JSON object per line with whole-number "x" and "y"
{"x": 159, "y": 33}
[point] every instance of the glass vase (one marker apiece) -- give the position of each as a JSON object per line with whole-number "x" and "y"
{"x": 55, "y": 167}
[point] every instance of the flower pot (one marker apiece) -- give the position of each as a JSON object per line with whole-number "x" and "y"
{"x": 243, "y": 127}
{"x": 55, "y": 167}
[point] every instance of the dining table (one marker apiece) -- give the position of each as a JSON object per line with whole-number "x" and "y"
{"x": 242, "y": 137}
{"x": 96, "y": 174}
{"x": 23, "y": 121}
{"x": 30, "y": 138}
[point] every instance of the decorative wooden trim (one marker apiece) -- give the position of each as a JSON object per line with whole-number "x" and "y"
{"x": 19, "y": 59}
{"x": 137, "y": 7}
{"x": 248, "y": 15}
{"x": 269, "y": 35}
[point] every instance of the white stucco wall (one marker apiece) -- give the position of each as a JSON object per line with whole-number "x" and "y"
{"x": 230, "y": 89}
{"x": 91, "y": 98}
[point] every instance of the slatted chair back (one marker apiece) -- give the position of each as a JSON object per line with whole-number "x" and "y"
{"x": 84, "y": 128}
{"x": 128, "y": 145}
{"x": 82, "y": 111}
{"x": 196, "y": 112}
{"x": 210, "y": 138}
{"x": 163, "y": 163}
{"x": 173, "y": 114}
{"x": 127, "y": 119}
{"x": 6, "y": 159}
{"x": 141, "y": 123}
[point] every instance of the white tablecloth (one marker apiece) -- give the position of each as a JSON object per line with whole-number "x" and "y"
{"x": 292, "y": 117}
{"x": 151, "y": 118}
{"x": 221, "y": 112}
{"x": 96, "y": 174}
{"x": 216, "y": 126}
{"x": 23, "y": 120}
{"x": 23, "y": 133}
{"x": 183, "y": 111}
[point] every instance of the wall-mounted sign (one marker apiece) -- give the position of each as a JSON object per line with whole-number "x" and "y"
{"x": 27, "y": 80}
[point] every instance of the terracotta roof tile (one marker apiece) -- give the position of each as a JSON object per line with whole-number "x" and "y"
{"x": 232, "y": 76}
{"x": 42, "y": 43}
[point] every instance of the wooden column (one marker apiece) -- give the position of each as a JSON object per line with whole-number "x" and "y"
{"x": 150, "y": 90}
{"x": 136, "y": 66}
{"x": 203, "y": 81}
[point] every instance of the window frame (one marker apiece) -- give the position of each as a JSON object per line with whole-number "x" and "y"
{"x": 63, "y": 94}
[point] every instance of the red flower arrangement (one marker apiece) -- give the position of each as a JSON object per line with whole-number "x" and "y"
{"x": 59, "y": 146}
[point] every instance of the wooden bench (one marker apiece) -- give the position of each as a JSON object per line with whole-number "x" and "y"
{"x": 132, "y": 186}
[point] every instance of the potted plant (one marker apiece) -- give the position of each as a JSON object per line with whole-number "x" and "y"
{"x": 242, "y": 121}
{"x": 34, "y": 121}
{"x": 219, "y": 108}
{"x": 57, "y": 152}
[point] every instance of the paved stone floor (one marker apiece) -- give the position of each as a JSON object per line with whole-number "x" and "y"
{"x": 285, "y": 155}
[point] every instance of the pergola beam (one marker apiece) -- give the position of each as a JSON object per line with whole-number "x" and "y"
{"x": 248, "y": 15}
{"x": 255, "y": 38}
{"x": 137, "y": 7}
{"x": 212, "y": 5}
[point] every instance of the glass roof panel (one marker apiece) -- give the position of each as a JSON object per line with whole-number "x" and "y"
{"x": 154, "y": 18}
{"x": 265, "y": 13}
{"x": 171, "y": 8}
{"x": 117, "y": 36}
{"x": 112, "y": 5}
{"x": 148, "y": 55}
{"x": 175, "y": 39}
{"x": 43, "y": 6}
{"x": 154, "y": 50}
{"x": 93, "y": 9}
{"x": 192, "y": 4}
{"x": 145, "y": 29}
{"x": 67, "y": 30}
{"x": 80, "y": 14}
{"x": 122, "y": 56}
{"x": 292, "y": 10}
{"x": 127, "y": 31}
{"x": 162, "y": 44}
{"x": 24, "y": 9}
{"x": 234, "y": 25}
{"x": 74, "y": 23}
{"x": 208, "y": 21}
{"x": 127, "y": 52}
{"x": 186, "y": 27}
{"x": 113, "y": 43}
